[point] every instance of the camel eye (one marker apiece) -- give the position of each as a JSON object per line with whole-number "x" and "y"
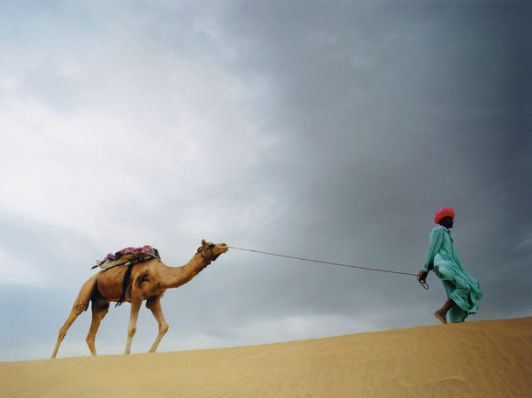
{"x": 211, "y": 246}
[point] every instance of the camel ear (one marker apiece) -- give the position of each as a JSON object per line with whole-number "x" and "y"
{"x": 203, "y": 242}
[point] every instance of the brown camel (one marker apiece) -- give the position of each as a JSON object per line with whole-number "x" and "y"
{"x": 149, "y": 280}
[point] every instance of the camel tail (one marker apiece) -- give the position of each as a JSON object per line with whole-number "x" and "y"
{"x": 84, "y": 296}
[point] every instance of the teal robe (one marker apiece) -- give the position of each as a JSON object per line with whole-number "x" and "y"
{"x": 459, "y": 285}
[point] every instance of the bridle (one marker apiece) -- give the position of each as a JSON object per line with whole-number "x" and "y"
{"x": 207, "y": 257}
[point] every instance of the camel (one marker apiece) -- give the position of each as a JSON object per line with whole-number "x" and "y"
{"x": 149, "y": 281}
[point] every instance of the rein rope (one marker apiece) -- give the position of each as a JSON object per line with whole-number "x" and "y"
{"x": 424, "y": 284}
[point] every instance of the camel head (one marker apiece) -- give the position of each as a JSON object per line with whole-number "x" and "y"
{"x": 210, "y": 251}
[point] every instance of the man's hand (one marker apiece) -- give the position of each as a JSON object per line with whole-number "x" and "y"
{"x": 422, "y": 275}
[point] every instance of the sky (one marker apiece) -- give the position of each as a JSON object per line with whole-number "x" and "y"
{"x": 324, "y": 129}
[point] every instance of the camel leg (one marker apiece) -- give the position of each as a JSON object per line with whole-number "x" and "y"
{"x": 98, "y": 313}
{"x": 135, "y": 307}
{"x": 76, "y": 311}
{"x": 155, "y": 306}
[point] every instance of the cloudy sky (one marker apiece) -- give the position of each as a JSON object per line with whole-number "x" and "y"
{"x": 323, "y": 129}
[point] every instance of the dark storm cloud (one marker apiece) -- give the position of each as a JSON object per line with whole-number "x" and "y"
{"x": 388, "y": 112}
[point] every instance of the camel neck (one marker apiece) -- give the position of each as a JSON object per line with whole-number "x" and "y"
{"x": 177, "y": 276}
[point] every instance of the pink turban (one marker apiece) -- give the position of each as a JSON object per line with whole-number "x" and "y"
{"x": 443, "y": 212}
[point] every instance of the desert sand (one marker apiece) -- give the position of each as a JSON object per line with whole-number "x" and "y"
{"x": 474, "y": 359}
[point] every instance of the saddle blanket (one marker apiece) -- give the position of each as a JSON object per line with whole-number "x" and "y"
{"x": 128, "y": 256}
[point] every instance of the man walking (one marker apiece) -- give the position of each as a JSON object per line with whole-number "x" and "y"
{"x": 463, "y": 291}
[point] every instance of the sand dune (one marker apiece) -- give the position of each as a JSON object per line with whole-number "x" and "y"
{"x": 476, "y": 359}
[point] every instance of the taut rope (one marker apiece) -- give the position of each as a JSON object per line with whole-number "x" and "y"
{"x": 424, "y": 284}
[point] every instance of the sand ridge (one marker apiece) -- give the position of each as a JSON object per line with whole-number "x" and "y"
{"x": 474, "y": 359}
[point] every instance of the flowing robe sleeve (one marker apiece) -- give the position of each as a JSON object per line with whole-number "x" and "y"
{"x": 436, "y": 240}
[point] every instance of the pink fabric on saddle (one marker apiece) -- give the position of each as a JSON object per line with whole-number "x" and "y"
{"x": 137, "y": 250}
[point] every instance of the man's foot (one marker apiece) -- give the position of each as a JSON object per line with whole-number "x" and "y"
{"x": 440, "y": 316}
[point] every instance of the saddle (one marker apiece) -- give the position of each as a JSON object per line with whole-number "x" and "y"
{"x": 128, "y": 256}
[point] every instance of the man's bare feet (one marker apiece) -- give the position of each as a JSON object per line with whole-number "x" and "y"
{"x": 440, "y": 315}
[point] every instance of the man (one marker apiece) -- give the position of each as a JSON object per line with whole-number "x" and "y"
{"x": 463, "y": 291}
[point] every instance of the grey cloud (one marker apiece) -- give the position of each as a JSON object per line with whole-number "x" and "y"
{"x": 366, "y": 118}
